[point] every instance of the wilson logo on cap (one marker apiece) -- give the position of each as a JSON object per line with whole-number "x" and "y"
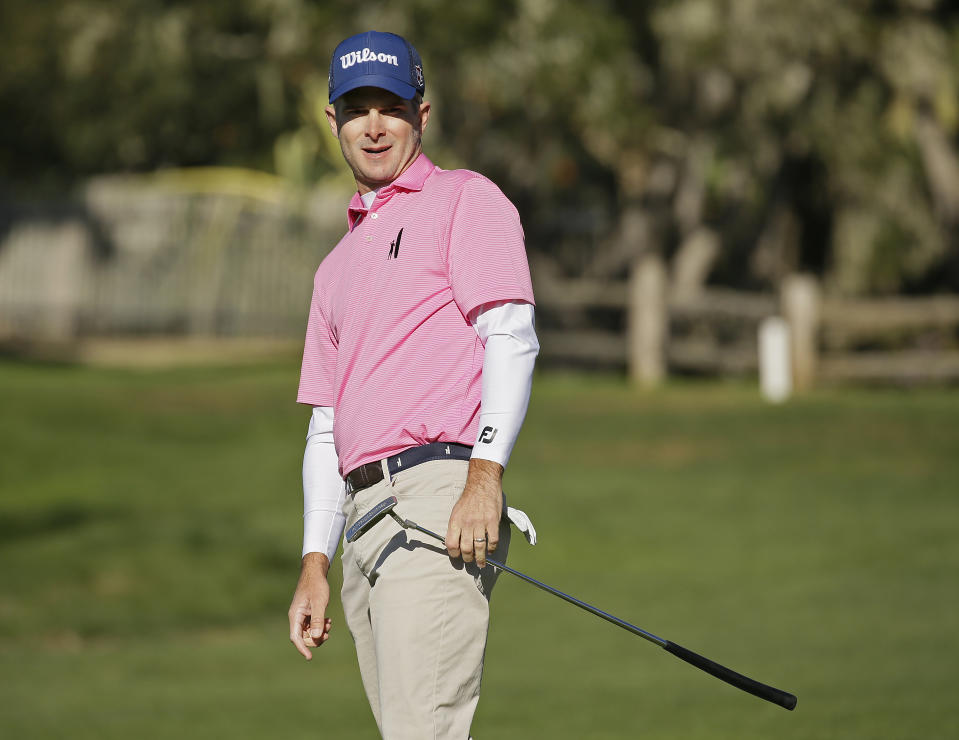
{"x": 367, "y": 55}
{"x": 376, "y": 59}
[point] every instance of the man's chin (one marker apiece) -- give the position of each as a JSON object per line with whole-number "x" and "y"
{"x": 378, "y": 177}
{"x": 378, "y": 174}
{"x": 378, "y": 170}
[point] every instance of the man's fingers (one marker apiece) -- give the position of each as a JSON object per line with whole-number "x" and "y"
{"x": 306, "y": 632}
{"x": 309, "y": 625}
{"x": 479, "y": 553}
{"x": 472, "y": 544}
{"x": 467, "y": 546}
{"x": 490, "y": 533}
{"x": 318, "y": 629}
{"x": 298, "y": 618}
{"x": 473, "y": 518}
{"x": 316, "y": 635}
{"x": 453, "y": 540}
{"x": 320, "y": 633}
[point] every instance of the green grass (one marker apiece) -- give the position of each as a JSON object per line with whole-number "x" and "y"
{"x": 149, "y": 540}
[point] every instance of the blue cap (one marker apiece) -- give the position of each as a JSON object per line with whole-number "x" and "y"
{"x": 376, "y": 59}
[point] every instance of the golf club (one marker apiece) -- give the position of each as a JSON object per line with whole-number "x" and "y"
{"x": 769, "y": 693}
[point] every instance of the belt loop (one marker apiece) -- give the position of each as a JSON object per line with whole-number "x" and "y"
{"x": 385, "y": 463}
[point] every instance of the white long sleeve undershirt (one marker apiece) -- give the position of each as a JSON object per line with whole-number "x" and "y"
{"x": 323, "y": 489}
{"x": 507, "y": 331}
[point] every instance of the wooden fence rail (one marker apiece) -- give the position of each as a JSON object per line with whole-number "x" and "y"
{"x": 714, "y": 331}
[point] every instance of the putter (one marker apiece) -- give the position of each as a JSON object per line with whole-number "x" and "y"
{"x": 769, "y": 693}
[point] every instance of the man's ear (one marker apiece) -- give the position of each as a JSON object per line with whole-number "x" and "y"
{"x": 331, "y": 117}
{"x": 424, "y": 115}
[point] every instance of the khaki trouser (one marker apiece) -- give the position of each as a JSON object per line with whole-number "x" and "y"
{"x": 419, "y": 619}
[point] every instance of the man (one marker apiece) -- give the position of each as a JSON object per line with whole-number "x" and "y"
{"x": 418, "y": 364}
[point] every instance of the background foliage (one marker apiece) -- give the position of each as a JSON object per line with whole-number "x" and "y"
{"x": 743, "y": 139}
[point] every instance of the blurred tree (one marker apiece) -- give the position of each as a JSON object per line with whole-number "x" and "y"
{"x": 92, "y": 86}
{"x": 742, "y": 139}
{"x": 761, "y": 134}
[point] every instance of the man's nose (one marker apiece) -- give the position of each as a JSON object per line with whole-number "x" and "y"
{"x": 374, "y": 125}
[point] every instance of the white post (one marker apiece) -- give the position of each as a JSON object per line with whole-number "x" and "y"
{"x": 775, "y": 367}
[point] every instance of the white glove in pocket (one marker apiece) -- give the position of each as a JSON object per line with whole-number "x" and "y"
{"x": 522, "y": 523}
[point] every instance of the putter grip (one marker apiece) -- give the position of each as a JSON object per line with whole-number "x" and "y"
{"x": 769, "y": 693}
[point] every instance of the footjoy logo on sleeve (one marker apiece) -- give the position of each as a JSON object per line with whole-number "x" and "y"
{"x": 488, "y": 435}
{"x": 355, "y": 57}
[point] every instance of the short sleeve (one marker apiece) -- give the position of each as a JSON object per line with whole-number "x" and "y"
{"x": 318, "y": 371}
{"x": 486, "y": 254}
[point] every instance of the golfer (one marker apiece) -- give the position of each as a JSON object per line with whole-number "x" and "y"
{"x": 418, "y": 364}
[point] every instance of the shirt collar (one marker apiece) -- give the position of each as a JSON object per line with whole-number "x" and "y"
{"x": 413, "y": 178}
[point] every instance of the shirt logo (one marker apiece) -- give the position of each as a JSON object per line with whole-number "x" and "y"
{"x": 395, "y": 246}
{"x": 355, "y": 57}
{"x": 487, "y": 435}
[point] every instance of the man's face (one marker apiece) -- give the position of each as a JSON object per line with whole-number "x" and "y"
{"x": 379, "y": 134}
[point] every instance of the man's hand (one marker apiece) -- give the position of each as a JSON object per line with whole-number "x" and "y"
{"x": 309, "y": 626}
{"x": 476, "y": 515}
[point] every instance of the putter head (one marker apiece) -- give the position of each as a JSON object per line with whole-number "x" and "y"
{"x": 370, "y": 518}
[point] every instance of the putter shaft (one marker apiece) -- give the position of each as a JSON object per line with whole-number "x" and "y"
{"x": 744, "y": 683}
{"x": 407, "y": 524}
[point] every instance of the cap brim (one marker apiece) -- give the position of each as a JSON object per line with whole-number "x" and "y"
{"x": 395, "y": 86}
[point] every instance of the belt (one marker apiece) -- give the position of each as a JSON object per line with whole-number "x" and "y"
{"x": 372, "y": 473}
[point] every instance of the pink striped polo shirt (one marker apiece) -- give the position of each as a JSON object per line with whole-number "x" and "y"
{"x": 388, "y": 344}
